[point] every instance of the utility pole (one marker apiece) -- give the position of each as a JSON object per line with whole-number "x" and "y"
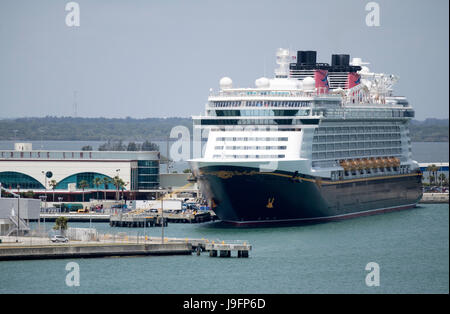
{"x": 162, "y": 218}
{"x": 18, "y": 210}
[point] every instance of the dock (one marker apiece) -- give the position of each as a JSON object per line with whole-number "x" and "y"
{"x": 117, "y": 245}
{"x": 137, "y": 221}
{"x": 198, "y": 217}
{"x": 76, "y": 217}
{"x": 434, "y": 198}
{"x": 71, "y": 250}
{"x": 147, "y": 219}
{"x": 224, "y": 249}
{"x": 219, "y": 248}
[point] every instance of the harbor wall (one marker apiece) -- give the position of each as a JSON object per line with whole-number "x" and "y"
{"x": 58, "y": 251}
{"x": 428, "y": 198}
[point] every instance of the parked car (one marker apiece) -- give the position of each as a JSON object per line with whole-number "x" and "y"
{"x": 59, "y": 238}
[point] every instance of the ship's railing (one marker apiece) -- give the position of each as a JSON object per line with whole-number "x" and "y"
{"x": 358, "y": 95}
{"x": 273, "y": 93}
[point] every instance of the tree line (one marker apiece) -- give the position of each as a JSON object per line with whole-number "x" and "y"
{"x": 138, "y": 130}
{"x": 112, "y": 145}
{"x": 89, "y": 129}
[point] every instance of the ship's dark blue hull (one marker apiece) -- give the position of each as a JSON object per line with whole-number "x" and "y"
{"x": 246, "y": 196}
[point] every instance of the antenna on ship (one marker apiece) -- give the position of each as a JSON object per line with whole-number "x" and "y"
{"x": 283, "y": 59}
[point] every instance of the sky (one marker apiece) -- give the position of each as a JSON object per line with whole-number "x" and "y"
{"x": 159, "y": 58}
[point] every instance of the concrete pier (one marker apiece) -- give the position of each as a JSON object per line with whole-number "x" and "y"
{"x": 134, "y": 221}
{"x": 224, "y": 249}
{"x": 76, "y": 217}
{"x": 71, "y": 250}
{"x": 431, "y": 198}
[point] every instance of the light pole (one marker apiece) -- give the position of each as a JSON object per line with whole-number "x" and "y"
{"x": 18, "y": 212}
{"x": 117, "y": 193}
{"x": 162, "y": 218}
{"x": 60, "y": 199}
{"x": 45, "y": 189}
{"x": 162, "y": 212}
{"x": 45, "y": 202}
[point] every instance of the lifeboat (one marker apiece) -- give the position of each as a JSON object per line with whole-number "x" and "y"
{"x": 345, "y": 164}
{"x": 372, "y": 162}
{"x": 379, "y": 163}
{"x": 395, "y": 162}
{"x": 367, "y": 163}
{"x": 389, "y": 162}
{"x": 359, "y": 164}
{"x": 354, "y": 164}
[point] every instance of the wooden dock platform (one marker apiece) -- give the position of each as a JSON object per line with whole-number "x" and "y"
{"x": 131, "y": 220}
{"x": 135, "y": 221}
{"x": 76, "y": 217}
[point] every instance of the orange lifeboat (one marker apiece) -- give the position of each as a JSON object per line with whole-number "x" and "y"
{"x": 390, "y": 161}
{"x": 379, "y": 163}
{"x": 354, "y": 164}
{"x": 396, "y": 162}
{"x": 367, "y": 163}
{"x": 372, "y": 162}
{"x": 345, "y": 164}
{"x": 359, "y": 164}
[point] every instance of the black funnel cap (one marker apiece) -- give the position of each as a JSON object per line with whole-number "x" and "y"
{"x": 340, "y": 60}
{"x": 306, "y": 57}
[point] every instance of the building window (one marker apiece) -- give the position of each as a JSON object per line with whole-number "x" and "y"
{"x": 11, "y": 180}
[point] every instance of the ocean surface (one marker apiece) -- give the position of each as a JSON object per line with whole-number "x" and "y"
{"x": 411, "y": 247}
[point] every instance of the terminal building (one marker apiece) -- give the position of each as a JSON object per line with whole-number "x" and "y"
{"x": 71, "y": 175}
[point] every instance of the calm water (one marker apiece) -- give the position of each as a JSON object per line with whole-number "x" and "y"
{"x": 411, "y": 247}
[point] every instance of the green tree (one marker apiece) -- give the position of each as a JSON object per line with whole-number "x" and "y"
{"x": 82, "y": 185}
{"x": 105, "y": 181}
{"x": 149, "y": 146}
{"x": 29, "y": 194}
{"x": 61, "y": 223}
{"x": 431, "y": 178}
{"x": 119, "y": 184}
{"x": 97, "y": 182}
{"x": 187, "y": 170}
{"x": 86, "y": 148}
{"x": 132, "y": 147}
{"x": 432, "y": 169}
{"x": 53, "y": 184}
{"x": 442, "y": 179}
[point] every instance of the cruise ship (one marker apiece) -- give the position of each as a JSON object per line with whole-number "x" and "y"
{"x": 317, "y": 142}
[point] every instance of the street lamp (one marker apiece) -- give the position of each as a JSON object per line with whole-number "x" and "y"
{"x": 60, "y": 198}
{"x": 162, "y": 211}
{"x": 117, "y": 192}
{"x": 45, "y": 188}
{"x": 18, "y": 212}
{"x": 45, "y": 202}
